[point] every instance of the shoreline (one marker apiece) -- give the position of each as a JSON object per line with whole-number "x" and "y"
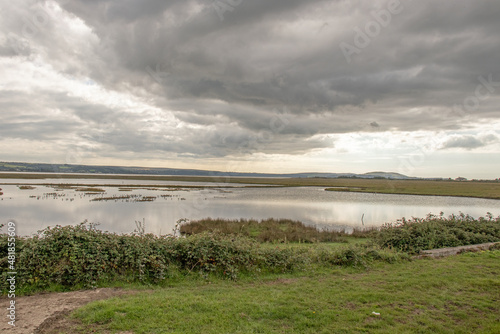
{"x": 471, "y": 189}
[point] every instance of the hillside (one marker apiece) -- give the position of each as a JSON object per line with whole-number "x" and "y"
{"x": 66, "y": 168}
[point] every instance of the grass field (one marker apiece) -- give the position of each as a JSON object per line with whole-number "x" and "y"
{"x": 479, "y": 189}
{"x": 459, "y": 294}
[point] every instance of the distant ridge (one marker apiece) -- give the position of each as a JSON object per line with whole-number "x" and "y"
{"x": 395, "y": 176}
{"x": 66, "y": 168}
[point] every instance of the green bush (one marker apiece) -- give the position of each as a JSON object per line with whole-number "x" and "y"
{"x": 213, "y": 253}
{"x": 418, "y": 234}
{"x": 283, "y": 260}
{"x": 83, "y": 256}
{"x": 358, "y": 256}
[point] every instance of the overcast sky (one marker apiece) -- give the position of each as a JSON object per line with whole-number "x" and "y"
{"x": 253, "y": 85}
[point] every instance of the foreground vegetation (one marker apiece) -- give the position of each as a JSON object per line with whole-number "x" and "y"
{"x": 82, "y": 256}
{"x": 417, "y": 234}
{"x": 478, "y": 189}
{"x": 452, "y": 295}
{"x": 247, "y": 277}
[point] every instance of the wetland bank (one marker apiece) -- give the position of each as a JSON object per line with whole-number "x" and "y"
{"x": 116, "y": 201}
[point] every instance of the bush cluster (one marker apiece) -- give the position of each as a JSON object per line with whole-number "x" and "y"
{"x": 417, "y": 234}
{"x": 82, "y": 255}
{"x": 358, "y": 256}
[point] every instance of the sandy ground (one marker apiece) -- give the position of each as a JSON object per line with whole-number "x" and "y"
{"x": 47, "y": 312}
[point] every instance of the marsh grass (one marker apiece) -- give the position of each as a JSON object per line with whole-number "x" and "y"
{"x": 479, "y": 189}
{"x": 90, "y": 189}
{"x": 26, "y": 187}
{"x": 270, "y": 230}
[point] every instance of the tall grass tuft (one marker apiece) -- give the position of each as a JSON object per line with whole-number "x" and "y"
{"x": 269, "y": 230}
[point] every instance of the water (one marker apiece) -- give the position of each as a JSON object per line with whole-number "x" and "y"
{"x": 161, "y": 207}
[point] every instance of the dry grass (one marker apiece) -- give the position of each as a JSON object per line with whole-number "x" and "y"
{"x": 269, "y": 230}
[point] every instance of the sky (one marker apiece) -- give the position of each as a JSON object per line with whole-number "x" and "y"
{"x": 275, "y": 86}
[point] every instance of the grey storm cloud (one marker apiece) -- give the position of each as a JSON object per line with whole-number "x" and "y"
{"x": 470, "y": 142}
{"x": 226, "y": 75}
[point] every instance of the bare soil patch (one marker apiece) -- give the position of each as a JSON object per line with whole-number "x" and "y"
{"x": 48, "y": 312}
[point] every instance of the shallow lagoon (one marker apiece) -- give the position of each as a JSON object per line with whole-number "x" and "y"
{"x": 162, "y": 203}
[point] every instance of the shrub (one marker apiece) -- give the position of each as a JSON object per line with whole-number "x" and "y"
{"x": 213, "y": 253}
{"x": 283, "y": 260}
{"x": 418, "y": 234}
{"x": 358, "y": 256}
{"x": 83, "y": 256}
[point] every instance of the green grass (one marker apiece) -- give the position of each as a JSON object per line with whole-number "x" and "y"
{"x": 458, "y": 294}
{"x": 345, "y": 242}
{"x": 11, "y": 166}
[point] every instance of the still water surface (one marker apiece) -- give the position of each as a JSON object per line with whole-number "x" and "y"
{"x": 161, "y": 207}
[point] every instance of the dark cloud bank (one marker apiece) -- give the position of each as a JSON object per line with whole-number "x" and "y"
{"x": 240, "y": 77}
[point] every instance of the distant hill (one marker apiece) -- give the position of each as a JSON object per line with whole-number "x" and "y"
{"x": 385, "y": 175}
{"x": 65, "y": 168}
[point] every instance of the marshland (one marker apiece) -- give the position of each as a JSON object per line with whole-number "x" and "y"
{"x": 114, "y": 201}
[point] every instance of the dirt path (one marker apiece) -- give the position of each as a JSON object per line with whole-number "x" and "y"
{"x": 47, "y": 312}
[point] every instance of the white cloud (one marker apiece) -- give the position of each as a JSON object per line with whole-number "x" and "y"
{"x": 470, "y": 142}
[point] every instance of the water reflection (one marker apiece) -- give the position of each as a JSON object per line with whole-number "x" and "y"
{"x": 34, "y": 209}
